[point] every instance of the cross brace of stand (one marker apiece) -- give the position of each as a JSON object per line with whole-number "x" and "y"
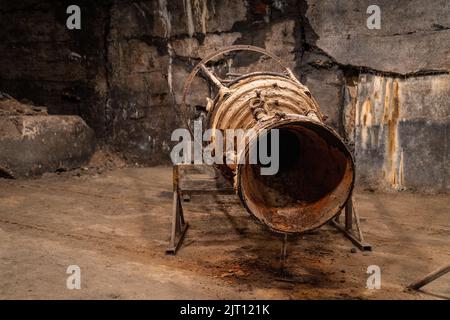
{"x": 351, "y": 218}
{"x": 180, "y": 226}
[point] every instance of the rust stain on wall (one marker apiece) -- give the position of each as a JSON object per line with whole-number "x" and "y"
{"x": 378, "y": 109}
{"x": 394, "y": 161}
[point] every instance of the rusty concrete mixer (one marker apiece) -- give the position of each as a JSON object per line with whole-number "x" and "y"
{"x": 316, "y": 171}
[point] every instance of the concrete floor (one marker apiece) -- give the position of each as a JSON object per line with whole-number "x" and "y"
{"x": 115, "y": 227}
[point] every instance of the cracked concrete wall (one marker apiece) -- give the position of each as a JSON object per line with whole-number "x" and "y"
{"x": 402, "y": 132}
{"x": 136, "y": 55}
{"x": 396, "y": 96}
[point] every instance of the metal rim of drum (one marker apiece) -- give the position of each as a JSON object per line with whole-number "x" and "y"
{"x": 333, "y": 212}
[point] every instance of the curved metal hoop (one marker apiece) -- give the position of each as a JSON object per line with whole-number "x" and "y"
{"x": 202, "y": 63}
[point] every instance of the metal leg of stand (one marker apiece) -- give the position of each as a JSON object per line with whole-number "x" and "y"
{"x": 283, "y": 252}
{"x": 349, "y": 215}
{"x": 179, "y": 226}
{"x": 347, "y": 229}
{"x": 416, "y": 285}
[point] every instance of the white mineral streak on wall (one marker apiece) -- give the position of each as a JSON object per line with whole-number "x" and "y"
{"x": 366, "y": 121}
{"x": 189, "y": 19}
{"x": 230, "y": 64}
{"x": 197, "y": 11}
{"x": 30, "y": 132}
{"x": 202, "y": 9}
{"x": 213, "y": 6}
{"x": 169, "y": 68}
{"x": 165, "y": 17}
{"x": 138, "y": 7}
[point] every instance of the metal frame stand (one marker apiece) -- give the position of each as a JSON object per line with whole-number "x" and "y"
{"x": 179, "y": 225}
{"x": 181, "y": 192}
{"x": 350, "y": 216}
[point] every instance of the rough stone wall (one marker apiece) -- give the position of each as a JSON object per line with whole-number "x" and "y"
{"x": 44, "y": 62}
{"x": 153, "y": 45}
{"x": 385, "y": 90}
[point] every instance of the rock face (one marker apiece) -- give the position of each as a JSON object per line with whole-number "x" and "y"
{"x": 414, "y": 37}
{"x": 42, "y": 61}
{"x": 152, "y": 48}
{"x": 33, "y": 142}
{"x": 123, "y": 71}
{"x": 32, "y": 145}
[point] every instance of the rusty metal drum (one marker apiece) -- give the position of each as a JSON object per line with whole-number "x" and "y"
{"x": 316, "y": 170}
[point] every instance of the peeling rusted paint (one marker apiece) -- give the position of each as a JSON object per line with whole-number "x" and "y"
{"x": 301, "y": 197}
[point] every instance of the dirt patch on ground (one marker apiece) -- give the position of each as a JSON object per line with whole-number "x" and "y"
{"x": 115, "y": 226}
{"x": 103, "y": 160}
